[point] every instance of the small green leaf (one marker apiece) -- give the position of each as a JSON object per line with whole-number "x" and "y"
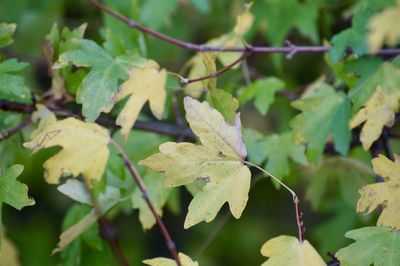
{"x": 156, "y": 14}
{"x": 6, "y": 33}
{"x": 263, "y": 92}
{"x": 225, "y": 103}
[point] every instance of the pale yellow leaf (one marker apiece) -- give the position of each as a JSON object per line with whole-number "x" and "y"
{"x": 384, "y": 28}
{"x": 378, "y": 112}
{"x": 8, "y": 253}
{"x": 184, "y": 259}
{"x": 386, "y": 193}
{"x": 288, "y": 251}
{"x": 84, "y": 149}
{"x": 145, "y": 83}
{"x": 244, "y": 21}
{"x": 218, "y": 162}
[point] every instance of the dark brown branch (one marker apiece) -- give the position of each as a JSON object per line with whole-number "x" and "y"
{"x": 16, "y": 107}
{"x": 6, "y": 134}
{"x": 290, "y": 49}
{"x": 138, "y": 180}
{"x": 299, "y": 219}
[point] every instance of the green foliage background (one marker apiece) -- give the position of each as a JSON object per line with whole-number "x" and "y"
{"x": 328, "y": 192}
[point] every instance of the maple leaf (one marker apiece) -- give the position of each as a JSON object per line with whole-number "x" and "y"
{"x": 145, "y": 83}
{"x": 84, "y": 149}
{"x": 288, "y": 251}
{"x": 218, "y": 161}
{"x": 262, "y": 91}
{"x": 12, "y": 87}
{"x": 225, "y": 103}
{"x": 13, "y": 192}
{"x": 384, "y": 28}
{"x": 377, "y": 113}
{"x": 375, "y": 245}
{"x": 386, "y": 193}
{"x": 184, "y": 259}
{"x": 321, "y": 114}
{"x": 97, "y": 89}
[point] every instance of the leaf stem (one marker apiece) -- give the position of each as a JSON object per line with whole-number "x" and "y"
{"x": 7, "y": 134}
{"x": 299, "y": 214}
{"x": 138, "y": 179}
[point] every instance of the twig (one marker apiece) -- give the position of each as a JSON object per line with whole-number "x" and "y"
{"x": 218, "y": 72}
{"x": 158, "y": 127}
{"x": 137, "y": 178}
{"x": 290, "y": 49}
{"x": 6, "y": 134}
{"x": 299, "y": 215}
{"x": 107, "y": 230}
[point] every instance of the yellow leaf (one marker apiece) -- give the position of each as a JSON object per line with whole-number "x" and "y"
{"x": 145, "y": 83}
{"x": 8, "y": 253}
{"x": 184, "y": 259}
{"x": 288, "y": 251}
{"x": 84, "y": 150}
{"x": 386, "y": 193}
{"x": 217, "y": 162}
{"x": 384, "y": 28}
{"x": 378, "y": 112}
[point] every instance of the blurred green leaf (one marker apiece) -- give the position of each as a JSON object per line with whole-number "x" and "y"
{"x": 6, "y": 33}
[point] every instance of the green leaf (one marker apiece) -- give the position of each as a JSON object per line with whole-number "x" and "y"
{"x": 254, "y": 144}
{"x": 6, "y": 33}
{"x": 12, "y": 87}
{"x": 355, "y": 37}
{"x": 312, "y": 126}
{"x": 100, "y": 85}
{"x": 341, "y": 131}
{"x": 156, "y": 14}
{"x": 203, "y": 6}
{"x": 387, "y": 76}
{"x": 225, "y": 103}
{"x": 13, "y": 192}
{"x": 351, "y": 174}
{"x": 263, "y": 91}
{"x": 377, "y": 245}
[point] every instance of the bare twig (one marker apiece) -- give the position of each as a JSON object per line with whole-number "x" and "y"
{"x": 218, "y": 72}
{"x": 6, "y": 134}
{"x": 289, "y": 49}
{"x": 137, "y": 178}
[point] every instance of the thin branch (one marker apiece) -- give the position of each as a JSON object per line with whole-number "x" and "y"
{"x": 290, "y": 49}
{"x": 16, "y": 107}
{"x": 6, "y": 134}
{"x": 218, "y": 72}
{"x": 299, "y": 214}
{"x": 107, "y": 230}
{"x": 137, "y": 178}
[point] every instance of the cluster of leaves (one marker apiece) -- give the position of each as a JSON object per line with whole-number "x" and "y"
{"x": 115, "y": 79}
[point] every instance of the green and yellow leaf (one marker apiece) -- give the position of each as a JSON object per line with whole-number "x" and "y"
{"x": 218, "y": 161}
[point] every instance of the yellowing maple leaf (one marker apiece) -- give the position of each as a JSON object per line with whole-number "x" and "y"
{"x": 218, "y": 162}
{"x": 378, "y": 112}
{"x": 288, "y": 251}
{"x": 84, "y": 149}
{"x": 386, "y": 193}
{"x": 184, "y": 259}
{"x": 145, "y": 83}
{"x": 384, "y": 28}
